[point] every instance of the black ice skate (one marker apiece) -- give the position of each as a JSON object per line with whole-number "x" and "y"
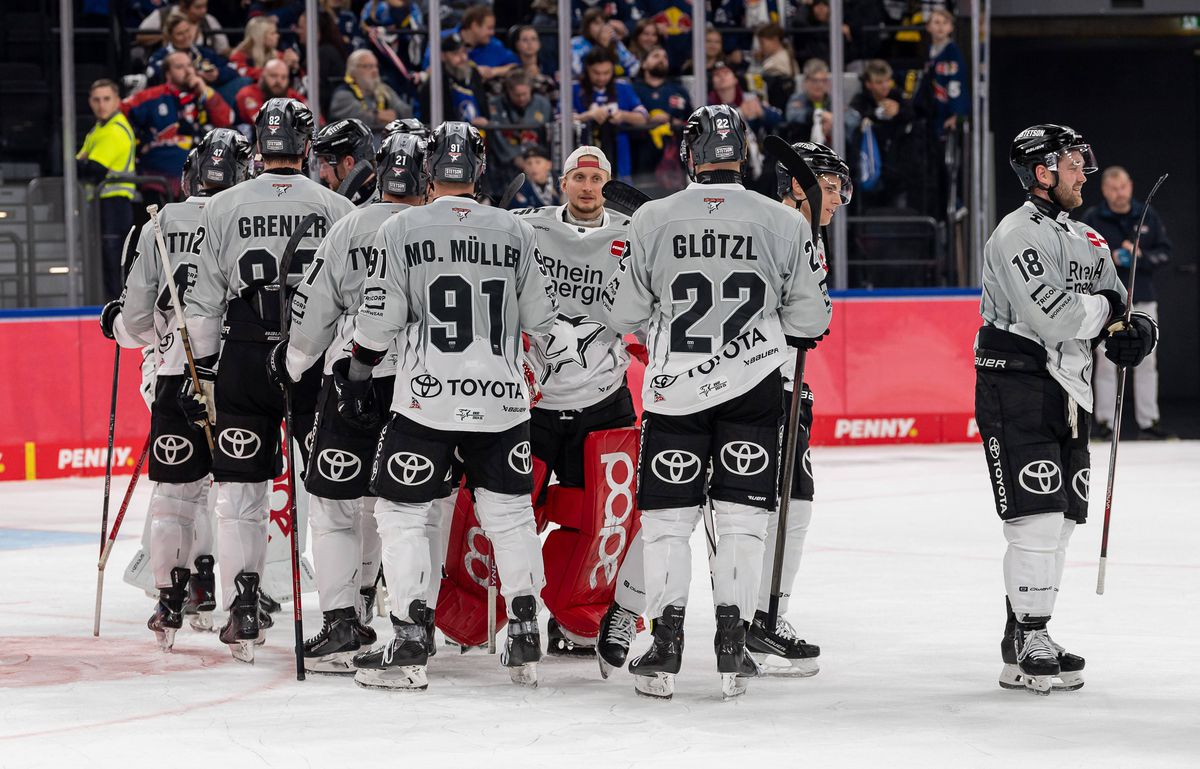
{"x": 268, "y": 604}
{"x": 366, "y": 604}
{"x": 523, "y": 646}
{"x": 560, "y": 644}
{"x": 1070, "y": 666}
{"x": 168, "y": 614}
{"x": 202, "y": 595}
{"x": 734, "y": 662}
{"x": 766, "y": 646}
{"x": 430, "y": 631}
{"x": 1036, "y": 659}
{"x": 332, "y": 650}
{"x": 654, "y": 671}
{"x": 242, "y": 631}
{"x": 618, "y": 626}
{"x": 398, "y": 665}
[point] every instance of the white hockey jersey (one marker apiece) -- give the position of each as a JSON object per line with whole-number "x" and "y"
{"x": 720, "y": 274}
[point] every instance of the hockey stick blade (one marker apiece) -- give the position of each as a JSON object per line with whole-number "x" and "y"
{"x": 623, "y": 198}
{"x": 285, "y": 264}
{"x": 799, "y": 170}
{"x": 355, "y": 180}
{"x": 511, "y": 190}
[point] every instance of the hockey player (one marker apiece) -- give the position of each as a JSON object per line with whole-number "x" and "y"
{"x": 458, "y": 282}
{"x": 341, "y": 147}
{"x": 346, "y": 547}
{"x": 725, "y": 284}
{"x": 179, "y": 458}
{"x": 1050, "y": 293}
{"x": 582, "y": 388}
{"x": 235, "y": 298}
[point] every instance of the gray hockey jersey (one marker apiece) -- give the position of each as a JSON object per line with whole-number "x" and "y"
{"x": 147, "y": 316}
{"x": 245, "y": 231}
{"x": 719, "y": 274}
{"x": 459, "y": 282}
{"x": 328, "y": 298}
{"x": 1039, "y": 276}
{"x": 579, "y": 261}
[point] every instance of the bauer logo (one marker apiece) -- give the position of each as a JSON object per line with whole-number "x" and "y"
{"x": 676, "y": 467}
{"x": 859, "y": 429}
{"x": 1040, "y": 477}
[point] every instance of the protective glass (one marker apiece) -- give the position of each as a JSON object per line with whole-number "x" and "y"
{"x": 1079, "y": 156}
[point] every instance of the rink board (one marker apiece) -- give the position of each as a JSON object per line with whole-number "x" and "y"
{"x": 896, "y": 368}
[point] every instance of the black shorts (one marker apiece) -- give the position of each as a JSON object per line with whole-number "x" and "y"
{"x": 415, "y": 463}
{"x": 557, "y": 436}
{"x": 178, "y": 449}
{"x": 339, "y": 462}
{"x": 802, "y": 473}
{"x": 739, "y": 439}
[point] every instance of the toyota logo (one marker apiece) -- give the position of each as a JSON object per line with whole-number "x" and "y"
{"x": 426, "y": 386}
{"x": 409, "y": 469}
{"x": 806, "y": 462}
{"x": 676, "y": 466}
{"x": 663, "y": 381}
{"x": 337, "y": 465}
{"x": 744, "y": 458}
{"x": 172, "y": 449}
{"x": 994, "y": 447}
{"x": 520, "y": 458}
{"x": 1082, "y": 483}
{"x": 1040, "y": 477}
{"x": 238, "y": 443}
{"x": 308, "y": 439}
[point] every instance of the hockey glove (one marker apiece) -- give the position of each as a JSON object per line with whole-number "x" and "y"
{"x": 200, "y": 408}
{"x": 277, "y": 366}
{"x": 805, "y": 342}
{"x": 1116, "y": 304}
{"x": 355, "y": 399}
{"x": 108, "y": 318}
{"x": 1129, "y": 344}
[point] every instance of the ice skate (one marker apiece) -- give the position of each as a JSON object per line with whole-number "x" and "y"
{"x": 1070, "y": 666}
{"x": 733, "y": 660}
{"x": 523, "y": 646}
{"x": 1036, "y": 659}
{"x": 430, "y": 631}
{"x": 242, "y": 631}
{"x": 560, "y": 643}
{"x": 398, "y": 665}
{"x": 202, "y": 595}
{"x": 168, "y": 614}
{"x": 654, "y": 671}
{"x": 333, "y": 649}
{"x": 366, "y": 604}
{"x": 618, "y": 626}
{"x": 780, "y": 652}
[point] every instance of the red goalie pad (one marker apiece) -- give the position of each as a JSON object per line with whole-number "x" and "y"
{"x": 598, "y": 521}
{"x": 462, "y": 602}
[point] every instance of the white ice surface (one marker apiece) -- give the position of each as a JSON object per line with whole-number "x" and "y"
{"x": 900, "y": 586}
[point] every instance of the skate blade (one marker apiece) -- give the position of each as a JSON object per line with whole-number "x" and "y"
{"x": 524, "y": 675}
{"x": 660, "y": 686}
{"x": 201, "y": 621}
{"x": 733, "y": 685}
{"x": 1013, "y": 679}
{"x": 165, "y": 638}
{"x": 410, "y": 678}
{"x": 606, "y": 669}
{"x": 571, "y": 650}
{"x": 243, "y": 651}
{"x": 781, "y": 667}
{"x": 336, "y": 664}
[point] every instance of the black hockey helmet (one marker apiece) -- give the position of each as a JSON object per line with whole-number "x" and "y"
{"x": 406, "y": 125}
{"x": 284, "y": 127}
{"x": 455, "y": 154}
{"x": 821, "y": 160}
{"x": 1043, "y": 145}
{"x": 344, "y": 138}
{"x": 713, "y": 134}
{"x": 400, "y": 166}
{"x": 220, "y": 159}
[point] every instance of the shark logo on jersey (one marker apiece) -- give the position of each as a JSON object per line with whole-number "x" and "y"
{"x": 462, "y": 212}
{"x": 558, "y": 351}
{"x": 714, "y": 204}
{"x": 280, "y": 189}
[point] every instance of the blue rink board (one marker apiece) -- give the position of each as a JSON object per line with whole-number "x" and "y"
{"x": 24, "y": 539}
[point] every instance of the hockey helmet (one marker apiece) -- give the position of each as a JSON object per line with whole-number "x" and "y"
{"x": 406, "y": 125}
{"x": 1043, "y": 145}
{"x": 344, "y": 138}
{"x": 822, "y": 161}
{"x": 713, "y": 134}
{"x": 220, "y": 159}
{"x": 456, "y": 154}
{"x": 400, "y": 166}
{"x": 284, "y": 127}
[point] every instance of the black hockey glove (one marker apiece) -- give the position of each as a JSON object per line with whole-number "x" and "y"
{"x": 355, "y": 400}
{"x": 108, "y": 318}
{"x": 805, "y": 342}
{"x": 200, "y": 408}
{"x": 1129, "y": 344}
{"x": 1116, "y": 304}
{"x": 277, "y": 366}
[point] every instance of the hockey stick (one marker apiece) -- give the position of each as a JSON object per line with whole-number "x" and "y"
{"x": 492, "y": 589}
{"x": 1116, "y": 428}
{"x": 511, "y": 190}
{"x": 623, "y": 198}
{"x": 285, "y": 263}
{"x": 355, "y": 180}
{"x": 800, "y": 171}
{"x": 112, "y": 535}
{"x": 126, "y": 263}
{"x": 169, "y": 278}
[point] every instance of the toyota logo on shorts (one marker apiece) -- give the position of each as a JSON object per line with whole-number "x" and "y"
{"x": 426, "y": 386}
{"x": 238, "y": 443}
{"x": 337, "y": 465}
{"x": 1040, "y": 477}
{"x": 172, "y": 449}
{"x": 1082, "y": 483}
{"x": 806, "y": 462}
{"x": 994, "y": 447}
{"x": 744, "y": 458}
{"x": 676, "y": 466}
{"x": 409, "y": 469}
{"x": 520, "y": 458}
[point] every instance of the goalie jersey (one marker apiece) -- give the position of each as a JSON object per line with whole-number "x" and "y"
{"x": 579, "y": 261}
{"x": 1040, "y": 272}
{"x": 458, "y": 282}
{"x": 721, "y": 274}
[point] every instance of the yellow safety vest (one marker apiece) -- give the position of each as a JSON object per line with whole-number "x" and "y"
{"x": 111, "y": 144}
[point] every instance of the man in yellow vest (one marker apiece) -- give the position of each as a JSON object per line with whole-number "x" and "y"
{"x": 109, "y": 149}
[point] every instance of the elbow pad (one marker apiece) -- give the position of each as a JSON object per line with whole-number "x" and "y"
{"x": 367, "y": 356}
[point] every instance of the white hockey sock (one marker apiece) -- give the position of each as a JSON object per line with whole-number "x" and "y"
{"x": 405, "y": 553}
{"x": 1029, "y": 563}
{"x": 173, "y": 511}
{"x": 631, "y": 578}
{"x": 508, "y": 521}
{"x": 667, "y": 556}
{"x": 737, "y": 568}
{"x": 337, "y": 550}
{"x": 243, "y": 512}
{"x": 205, "y": 530}
{"x": 1060, "y": 555}
{"x": 437, "y": 531}
{"x": 799, "y": 517}
{"x": 372, "y": 547}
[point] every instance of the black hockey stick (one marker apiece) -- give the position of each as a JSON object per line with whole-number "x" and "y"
{"x": 623, "y": 198}
{"x": 800, "y": 171}
{"x": 285, "y": 263}
{"x": 511, "y": 190}
{"x": 1116, "y": 428}
{"x": 355, "y": 180}
{"x": 106, "y": 551}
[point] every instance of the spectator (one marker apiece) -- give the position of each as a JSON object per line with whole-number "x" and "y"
{"x": 609, "y": 107}
{"x": 808, "y": 111}
{"x": 209, "y": 32}
{"x": 714, "y": 51}
{"x": 881, "y": 106}
{"x": 779, "y": 68}
{"x": 284, "y": 12}
{"x": 109, "y": 149}
{"x": 539, "y": 188}
{"x": 168, "y": 118}
{"x": 388, "y": 26}
{"x": 597, "y": 32}
{"x": 534, "y": 62}
{"x": 669, "y": 105}
{"x": 478, "y": 33}
{"x": 727, "y": 89}
{"x": 345, "y": 22}
{"x": 363, "y": 96}
{"x": 674, "y": 20}
{"x": 331, "y": 54}
{"x": 463, "y": 94}
{"x": 260, "y": 45}
{"x": 813, "y": 43}
{"x": 273, "y": 82}
{"x": 212, "y": 68}
{"x": 645, "y": 38}
{"x": 518, "y": 106}
{"x": 942, "y": 94}
{"x": 732, "y": 14}
{"x": 1116, "y": 221}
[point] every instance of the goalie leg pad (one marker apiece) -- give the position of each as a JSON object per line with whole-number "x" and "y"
{"x": 462, "y": 602}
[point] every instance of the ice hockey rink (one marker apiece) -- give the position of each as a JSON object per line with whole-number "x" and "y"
{"x": 900, "y": 586}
